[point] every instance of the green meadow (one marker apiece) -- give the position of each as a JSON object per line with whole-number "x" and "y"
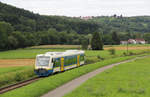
{"x": 9, "y": 75}
{"x": 31, "y": 53}
{"x": 44, "y": 85}
{"x": 126, "y": 80}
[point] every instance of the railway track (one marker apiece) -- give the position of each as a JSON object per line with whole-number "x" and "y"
{"x": 17, "y": 85}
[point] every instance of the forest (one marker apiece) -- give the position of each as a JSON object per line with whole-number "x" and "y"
{"x": 20, "y": 28}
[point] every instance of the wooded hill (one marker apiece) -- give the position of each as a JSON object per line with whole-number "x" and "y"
{"x": 27, "y": 28}
{"x": 26, "y": 21}
{"x": 22, "y": 28}
{"x": 139, "y": 24}
{"x": 125, "y": 27}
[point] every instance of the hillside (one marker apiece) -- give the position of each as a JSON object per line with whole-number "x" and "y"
{"x": 20, "y": 28}
{"x": 124, "y": 24}
{"x": 125, "y": 27}
{"x": 26, "y": 21}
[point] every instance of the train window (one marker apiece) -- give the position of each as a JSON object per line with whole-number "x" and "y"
{"x": 66, "y": 61}
{"x": 70, "y": 61}
{"x": 74, "y": 60}
{"x": 57, "y": 62}
{"x": 82, "y": 58}
{"x": 42, "y": 60}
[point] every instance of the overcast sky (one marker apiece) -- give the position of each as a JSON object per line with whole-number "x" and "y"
{"x": 84, "y": 7}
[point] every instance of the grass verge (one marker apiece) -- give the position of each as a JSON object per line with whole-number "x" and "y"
{"x": 126, "y": 80}
{"x": 11, "y": 75}
{"x": 42, "y": 86}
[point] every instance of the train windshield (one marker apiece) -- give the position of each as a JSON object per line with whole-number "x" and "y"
{"x": 42, "y": 60}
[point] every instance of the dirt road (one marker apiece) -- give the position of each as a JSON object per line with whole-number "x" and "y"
{"x": 129, "y": 48}
{"x": 68, "y": 87}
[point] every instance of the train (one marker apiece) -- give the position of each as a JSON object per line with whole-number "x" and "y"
{"x": 51, "y": 62}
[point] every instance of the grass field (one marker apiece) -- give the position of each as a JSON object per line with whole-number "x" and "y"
{"x": 117, "y": 47}
{"x": 24, "y": 53}
{"x": 42, "y": 86}
{"x": 24, "y": 58}
{"x": 57, "y": 47}
{"x": 11, "y": 75}
{"x": 31, "y": 53}
{"x": 9, "y": 63}
{"x": 126, "y": 80}
{"x": 4, "y": 70}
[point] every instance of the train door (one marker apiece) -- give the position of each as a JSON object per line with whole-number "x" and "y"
{"x": 62, "y": 64}
{"x": 78, "y": 60}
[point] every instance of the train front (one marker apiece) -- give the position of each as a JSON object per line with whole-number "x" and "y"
{"x": 43, "y": 65}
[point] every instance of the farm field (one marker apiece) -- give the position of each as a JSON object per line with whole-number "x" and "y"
{"x": 126, "y": 80}
{"x": 26, "y": 57}
{"x": 31, "y": 53}
{"x": 16, "y": 62}
{"x": 129, "y": 48}
{"x": 42, "y": 86}
{"x": 106, "y": 47}
{"x": 57, "y": 47}
{"x": 17, "y": 65}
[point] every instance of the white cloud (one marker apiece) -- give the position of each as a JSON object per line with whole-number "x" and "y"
{"x": 84, "y": 7}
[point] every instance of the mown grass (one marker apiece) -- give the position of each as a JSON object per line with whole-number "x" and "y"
{"x": 126, "y": 80}
{"x": 57, "y": 46}
{"x": 79, "y": 46}
{"x": 24, "y": 53}
{"x": 42, "y": 86}
{"x": 31, "y": 53}
{"x": 11, "y": 75}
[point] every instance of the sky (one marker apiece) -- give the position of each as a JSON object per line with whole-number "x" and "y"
{"x": 84, "y": 7}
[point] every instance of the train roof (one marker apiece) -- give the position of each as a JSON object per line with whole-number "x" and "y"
{"x": 59, "y": 54}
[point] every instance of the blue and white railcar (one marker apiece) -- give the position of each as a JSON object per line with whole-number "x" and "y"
{"x": 51, "y": 62}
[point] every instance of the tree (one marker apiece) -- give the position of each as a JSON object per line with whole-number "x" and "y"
{"x": 115, "y": 38}
{"x": 96, "y": 43}
{"x": 12, "y": 42}
{"x": 84, "y": 43}
{"x": 107, "y": 39}
{"x": 147, "y": 37}
{"x": 5, "y": 30}
{"x": 20, "y": 38}
{"x": 30, "y": 39}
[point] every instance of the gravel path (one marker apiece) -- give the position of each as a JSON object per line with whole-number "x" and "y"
{"x": 68, "y": 87}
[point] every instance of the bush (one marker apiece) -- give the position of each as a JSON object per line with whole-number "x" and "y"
{"x": 131, "y": 53}
{"x": 91, "y": 60}
{"x": 112, "y": 51}
{"x": 19, "y": 77}
{"x": 99, "y": 57}
{"x": 125, "y": 54}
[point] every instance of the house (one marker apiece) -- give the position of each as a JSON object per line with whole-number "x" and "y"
{"x": 86, "y": 17}
{"x": 140, "y": 41}
{"x": 132, "y": 41}
{"x": 123, "y": 42}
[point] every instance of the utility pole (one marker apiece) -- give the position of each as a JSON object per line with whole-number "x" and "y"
{"x": 127, "y": 47}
